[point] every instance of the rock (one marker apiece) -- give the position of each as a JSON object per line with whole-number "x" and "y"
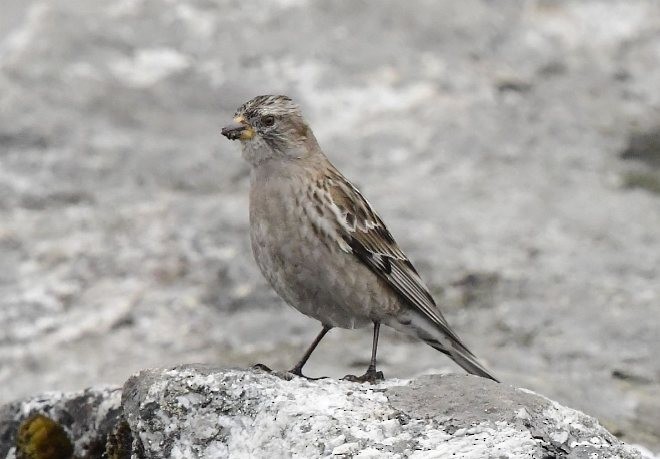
{"x": 198, "y": 411}
{"x": 40, "y": 437}
{"x": 48, "y": 425}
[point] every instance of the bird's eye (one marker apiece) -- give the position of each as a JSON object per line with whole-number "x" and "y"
{"x": 268, "y": 120}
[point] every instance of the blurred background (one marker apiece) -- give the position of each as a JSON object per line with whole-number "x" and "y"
{"x": 513, "y": 148}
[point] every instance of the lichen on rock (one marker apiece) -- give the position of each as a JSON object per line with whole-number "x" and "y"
{"x": 196, "y": 411}
{"x": 55, "y": 422}
{"x": 39, "y": 437}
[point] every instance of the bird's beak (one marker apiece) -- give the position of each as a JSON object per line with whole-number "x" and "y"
{"x": 239, "y": 129}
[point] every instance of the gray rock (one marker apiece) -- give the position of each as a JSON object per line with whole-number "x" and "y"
{"x": 198, "y": 411}
{"x": 87, "y": 418}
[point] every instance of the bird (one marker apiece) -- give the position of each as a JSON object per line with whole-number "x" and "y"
{"x": 322, "y": 247}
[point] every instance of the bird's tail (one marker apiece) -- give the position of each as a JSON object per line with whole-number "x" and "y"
{"x": 463, "y": 357}
{"x": 439, "y": 336}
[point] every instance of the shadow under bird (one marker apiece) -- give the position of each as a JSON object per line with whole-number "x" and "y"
{"x": 322, "y": 247}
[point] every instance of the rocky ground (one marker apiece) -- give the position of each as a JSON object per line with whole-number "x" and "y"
{"x": 513, "y": 149}
{"x": 199, "y": 411}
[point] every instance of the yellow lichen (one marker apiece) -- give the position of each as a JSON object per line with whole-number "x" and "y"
{"x": 39, "y": 437}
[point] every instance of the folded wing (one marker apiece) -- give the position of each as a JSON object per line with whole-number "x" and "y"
{"x": 364, "y": 234}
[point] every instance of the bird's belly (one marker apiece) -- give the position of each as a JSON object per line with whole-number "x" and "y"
{"x": 319, "y": 280}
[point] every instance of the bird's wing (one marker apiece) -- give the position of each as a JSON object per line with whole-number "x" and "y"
{"x": 364, "y": 234}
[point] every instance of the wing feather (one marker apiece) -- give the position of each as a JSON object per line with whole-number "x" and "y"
{"x": 371, "y": 242}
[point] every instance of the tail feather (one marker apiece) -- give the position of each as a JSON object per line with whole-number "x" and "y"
{"x": 441, "y": 338}
{"x": 464, "y": 358}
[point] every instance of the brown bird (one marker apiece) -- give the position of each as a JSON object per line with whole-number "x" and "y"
{"x": 322, "y": 247}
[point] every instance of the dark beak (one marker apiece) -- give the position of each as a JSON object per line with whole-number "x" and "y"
{"x": 233, "y": 131}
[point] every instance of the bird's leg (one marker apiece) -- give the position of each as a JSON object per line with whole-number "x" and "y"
{"x": 371, "y": 376}
{"x": 297, "y": 369}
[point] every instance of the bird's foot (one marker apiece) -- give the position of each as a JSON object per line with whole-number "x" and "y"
{"x": 371, "y": 376}
{"x": 262, "y": 367}
{"x": 298, "y": 372}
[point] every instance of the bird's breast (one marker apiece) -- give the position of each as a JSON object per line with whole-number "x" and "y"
{"x": 296, "y": 248}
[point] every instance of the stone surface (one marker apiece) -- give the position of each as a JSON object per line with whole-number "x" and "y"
{"x": 198, "y": 411}
{"x": 201, "y": 412}
{"x": 488, "y": 134}
{"x": 87, "y": 417}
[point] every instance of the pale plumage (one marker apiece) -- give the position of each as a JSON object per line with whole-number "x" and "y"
{"x": 320, "y": 244}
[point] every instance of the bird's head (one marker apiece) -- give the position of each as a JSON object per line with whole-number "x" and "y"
{"x": 270, "y": 127}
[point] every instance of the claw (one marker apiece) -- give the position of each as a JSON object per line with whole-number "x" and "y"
{"x": 298, "y": 372}
{"x": 371, "y": 376}
{"x": 262, "y": 367}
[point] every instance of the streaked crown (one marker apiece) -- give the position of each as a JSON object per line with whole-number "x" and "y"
{"x": 268, "y": 104}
